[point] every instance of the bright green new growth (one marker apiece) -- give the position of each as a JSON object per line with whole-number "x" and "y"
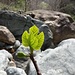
{"x": 33, "y": 39}
{"x": 21, "y": 55}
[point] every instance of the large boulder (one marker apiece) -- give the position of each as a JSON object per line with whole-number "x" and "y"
{"x": 57, "y": 61}
{"x": 18, "y": 23}
{"x": 60, "y": 23}
{"x": 6, "y": 36}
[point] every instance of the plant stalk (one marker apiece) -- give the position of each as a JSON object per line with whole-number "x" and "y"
{"x": 35, "y": 64}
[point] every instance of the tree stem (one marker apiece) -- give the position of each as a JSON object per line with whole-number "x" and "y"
{"x": 35, "y": 64}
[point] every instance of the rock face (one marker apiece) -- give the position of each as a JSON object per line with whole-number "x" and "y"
{"x": 18, "y": 23}
{"x": 61, "y": 24}
{"x": 6, "y": 36}
{"x": 57, "y": 61}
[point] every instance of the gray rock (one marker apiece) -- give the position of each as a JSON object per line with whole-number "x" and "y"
{"x": 57, "y": 61}
{"x": 6, "y": 53}
{"x": 18, "y": 23}
{"x": 4, "y": 61}
{"x": 2, "y": 72}
{"x": 6, "y": 36}
{"x": 17, "y": 44}
{"x": 23, "y": 49}
{"x": 15, "y": 71}
{"x": 4, "y": 57}
{"x": 21, "y": 62}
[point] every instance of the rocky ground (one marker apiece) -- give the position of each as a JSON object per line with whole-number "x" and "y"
{"x": 53, "y": 58}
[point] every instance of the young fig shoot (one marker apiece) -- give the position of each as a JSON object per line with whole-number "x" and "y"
{"x": 33, "y": 39}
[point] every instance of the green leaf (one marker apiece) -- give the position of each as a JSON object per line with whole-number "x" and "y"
{"x": 25, "y": 37}
{"x": 34, "y": 29}
{"x": 33, "y": 41}
{"x": 21, "y": 55}
{"x": 40, "y": 40}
